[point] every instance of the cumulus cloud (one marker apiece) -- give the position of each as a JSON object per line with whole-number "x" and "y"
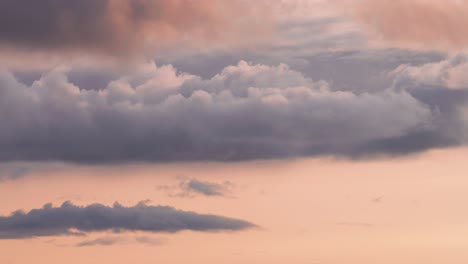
{"x": 117, "y": 27}
{"x": 247, "y": 111}
{"x": 449, "y": 73}
{"x": 427, "y": 24}
{"x": 70, "y": 219}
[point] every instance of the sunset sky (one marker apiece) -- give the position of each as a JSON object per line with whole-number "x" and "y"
{"x": 233, "y": 131}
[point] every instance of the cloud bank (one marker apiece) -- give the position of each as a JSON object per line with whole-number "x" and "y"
{"x": 119, "y": 27}
{"x": 245, "y": 112}
{"x": 70, "y": 219}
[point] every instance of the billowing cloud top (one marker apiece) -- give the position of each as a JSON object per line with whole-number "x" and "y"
{"x": 245, "y": 112}
{"x": 369, "y": 102}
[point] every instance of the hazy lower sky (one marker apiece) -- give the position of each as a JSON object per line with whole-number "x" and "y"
{"x": 232, "y": 131}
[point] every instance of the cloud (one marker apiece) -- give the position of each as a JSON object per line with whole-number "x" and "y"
{"x": 193, "y": 187}
{"x": 116, "y": 27}
{"x": 102, "y": 241}
{"x": 205, "y": 188}
{"x": 426, "y": 24}
{"x": 449, "y": 73}
{"x": 152, "y": 241}
{"x": 70, "y": 219}
{"x": 112, "y": 240}
{"x": 245, "y": 112}
{"x": 189, "y": 188}
{"x": 13, "y": 172}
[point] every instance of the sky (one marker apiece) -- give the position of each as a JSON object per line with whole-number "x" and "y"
{"x": 233, "y": 131}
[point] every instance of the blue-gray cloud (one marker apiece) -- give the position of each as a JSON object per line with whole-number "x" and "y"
{"x": 246, "y": 112}
{"x": 194, "y": 186}
{"x": 70, "y": 219}
{"x": 205, "y": 188}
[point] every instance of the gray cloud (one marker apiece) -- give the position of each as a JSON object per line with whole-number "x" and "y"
{"x": 112, "y": 240}
{"x": 205, "y": 188}
{"x": 247, "y": 111}
{"x": 70, "y": 219}
{"x": 13, "y": 172}
{"x": 102, "y": 241}
{"x": 187, "y": 188}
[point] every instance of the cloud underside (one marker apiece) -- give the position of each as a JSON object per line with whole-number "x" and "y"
{"x": 70, "y": 219}
{"x": 245, "y": 112}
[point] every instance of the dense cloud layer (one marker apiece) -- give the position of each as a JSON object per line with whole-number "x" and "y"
{"x": 117, "y": 27}
{"x": 245, "y": 112}
{"x": 69, "y": 219}
{"x": 426, "y": 24}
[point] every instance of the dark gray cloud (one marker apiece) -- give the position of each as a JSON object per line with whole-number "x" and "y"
{"x": 247, "y": 111}
{"x": 70, "y": 219}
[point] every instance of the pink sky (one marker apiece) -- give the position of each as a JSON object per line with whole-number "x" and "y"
{"x": 406, "y": 210}
{"x": 232, "y": 131}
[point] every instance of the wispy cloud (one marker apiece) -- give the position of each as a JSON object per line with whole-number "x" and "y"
{"x": 112, "y": 240}
{"x": 194, "y": 187}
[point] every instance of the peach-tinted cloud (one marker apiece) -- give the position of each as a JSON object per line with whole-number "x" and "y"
{"x": 126, "y": 26}
{"x": 427, "y": 24}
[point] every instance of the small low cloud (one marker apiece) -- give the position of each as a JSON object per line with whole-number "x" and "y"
{"x": 13, "y": 172}
{"x": 206, "y": 188}
{"x": 195, "y": 187}
{"x": 110, "y": 240}
{"x": 70, "y": 219}
{"x": 102, "y": 241}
